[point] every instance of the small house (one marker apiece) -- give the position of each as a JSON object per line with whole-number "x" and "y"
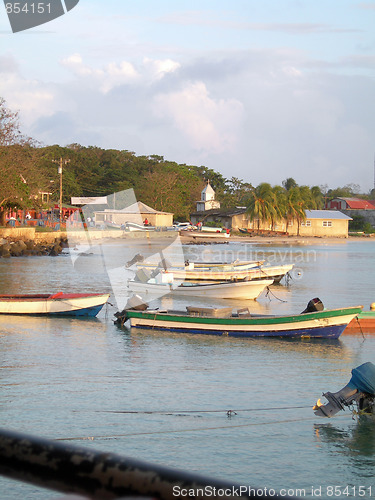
{"x": 137, "y": 213}
{"x": 321, "y": 223}
{"x": 350, "y": 204}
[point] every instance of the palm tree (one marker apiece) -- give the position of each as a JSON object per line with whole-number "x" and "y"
{"x": 280, "y": 197}
{"x": 318, "y": 197}
{"x": 262, "y": 204}
{"x": 295, "y": 207}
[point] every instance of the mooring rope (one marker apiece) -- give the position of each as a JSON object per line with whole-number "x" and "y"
{"x": 270, "y": 292}
{"x": 193, "y": 429}
{"x": 179, "y": 412}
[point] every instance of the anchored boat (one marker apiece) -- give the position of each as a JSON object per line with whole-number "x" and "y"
{"x": 364, "y": 323}
{"x": 313, "y": 322}
{"x": 225, "y": 290}
{"x": 60, "y": 304}
{"x": 220, "y": 272}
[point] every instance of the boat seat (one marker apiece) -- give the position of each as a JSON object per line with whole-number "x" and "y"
{"x": 221, "y": 312}
{"x": 244, "y": 312}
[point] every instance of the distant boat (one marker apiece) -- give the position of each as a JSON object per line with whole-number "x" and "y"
{"x": 224, "y": 272}
{"x": 328, "y": 323}
{"x": 204, "y": 235}
{"x": 59, "y": 304}
{"x": 262, "y": 232}
{"x": 218, "y": 290}
{"x": 364, "y": 323}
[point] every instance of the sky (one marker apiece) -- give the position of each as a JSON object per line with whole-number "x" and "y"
{"x": 257, "y": 90}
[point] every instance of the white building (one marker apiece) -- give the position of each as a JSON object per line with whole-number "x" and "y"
{"x": 207, "y": 201}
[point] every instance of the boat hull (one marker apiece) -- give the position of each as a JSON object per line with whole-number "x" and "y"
{"x": 237, "y": 290}
{"x": 234, "y": 273}
{"x": 53, "y": 305}
{"x": 364, "y": 323}
{"x": 323, "y": 324}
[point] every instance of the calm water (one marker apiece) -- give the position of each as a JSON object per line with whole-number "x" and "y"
{"x": 69, "y": 379}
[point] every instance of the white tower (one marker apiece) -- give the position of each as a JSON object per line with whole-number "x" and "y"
{"x": 207, "y": 201}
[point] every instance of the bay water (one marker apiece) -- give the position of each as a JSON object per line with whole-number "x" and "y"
{"x": 164, "y": 397}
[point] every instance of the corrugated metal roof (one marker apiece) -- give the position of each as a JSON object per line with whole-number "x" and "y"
{"x": 326, "y": 214}
{"x": 357, "y": 203}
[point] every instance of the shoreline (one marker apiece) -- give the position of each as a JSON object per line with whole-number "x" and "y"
{"x": 279, "y": 240}
{"x": 52, "y": 243}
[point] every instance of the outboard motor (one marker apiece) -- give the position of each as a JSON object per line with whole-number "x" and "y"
{"x": 137, "y": 258}
{"x": 360, "y": 390}
{"x": 313, "y": 306}
{"x": 134, "y": 302}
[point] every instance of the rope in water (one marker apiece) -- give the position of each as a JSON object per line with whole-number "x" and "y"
{"x": 194, "y": 429}
{"x": 171, "y": 412}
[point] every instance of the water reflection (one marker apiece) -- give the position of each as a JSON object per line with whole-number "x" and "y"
{"x": 355, "y": 441}
{"x": 47, "y": 324}
{"x": 306, "y": 348}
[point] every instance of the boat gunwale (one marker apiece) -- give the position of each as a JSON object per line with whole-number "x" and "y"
{"x": 192, "y": 285}
{"x": 50, "y": 297}
{"x": 182, "y": 317}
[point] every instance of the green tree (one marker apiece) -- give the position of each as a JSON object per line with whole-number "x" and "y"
{"x": 295, "y": 207}
{"x": 19, "y": 175}
{"x": 237, "y": 193}
{"x": 289, "y": 183}
{"x": 348, "y": 191}
{"x": 262, "y": 204}
{"x": 318, "y": 197}
{"x": 280, "y": 197}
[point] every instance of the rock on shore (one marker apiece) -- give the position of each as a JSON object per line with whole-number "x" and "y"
{"x": 18, "y": 248}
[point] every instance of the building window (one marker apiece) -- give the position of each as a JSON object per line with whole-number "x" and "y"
{"x": 306, "y": 223}
{"x": 327, "y": 223}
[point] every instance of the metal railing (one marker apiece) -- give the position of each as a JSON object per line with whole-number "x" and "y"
{"x": 98, "y": 475}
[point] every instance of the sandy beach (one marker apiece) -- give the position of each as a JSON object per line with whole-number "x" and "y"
{"x": 189, "y": 237}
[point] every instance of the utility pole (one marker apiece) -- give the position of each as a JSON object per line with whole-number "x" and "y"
{"x": 60, "y": 172}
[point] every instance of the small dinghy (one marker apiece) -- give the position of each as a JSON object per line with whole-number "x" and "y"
{"x": 60, "y": 304}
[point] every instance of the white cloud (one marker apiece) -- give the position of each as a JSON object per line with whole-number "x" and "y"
{"x": 209, "y": 125}
{"x": 159, "y": 68}
{"x": 252, "y": 114}
{"x": 30, "y": 98}
{"x": 115, "y": 74}
{"x": 112, "y": 75}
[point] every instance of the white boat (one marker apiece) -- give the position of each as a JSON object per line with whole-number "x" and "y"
{"x": 226, "y": 272}
{"x": 61, "y": 304}
{"x": 277, "y": 273}
{"x": 219, "y": 290}
{"x": 205, "y": 266}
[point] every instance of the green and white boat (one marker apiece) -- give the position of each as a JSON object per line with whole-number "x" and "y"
{"x": 328, "y": 323}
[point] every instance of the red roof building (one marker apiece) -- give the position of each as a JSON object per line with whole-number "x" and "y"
{"x": 350, "y": 204}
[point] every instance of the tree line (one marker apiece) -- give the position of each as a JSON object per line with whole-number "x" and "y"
{"x": 27, "y": 169}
